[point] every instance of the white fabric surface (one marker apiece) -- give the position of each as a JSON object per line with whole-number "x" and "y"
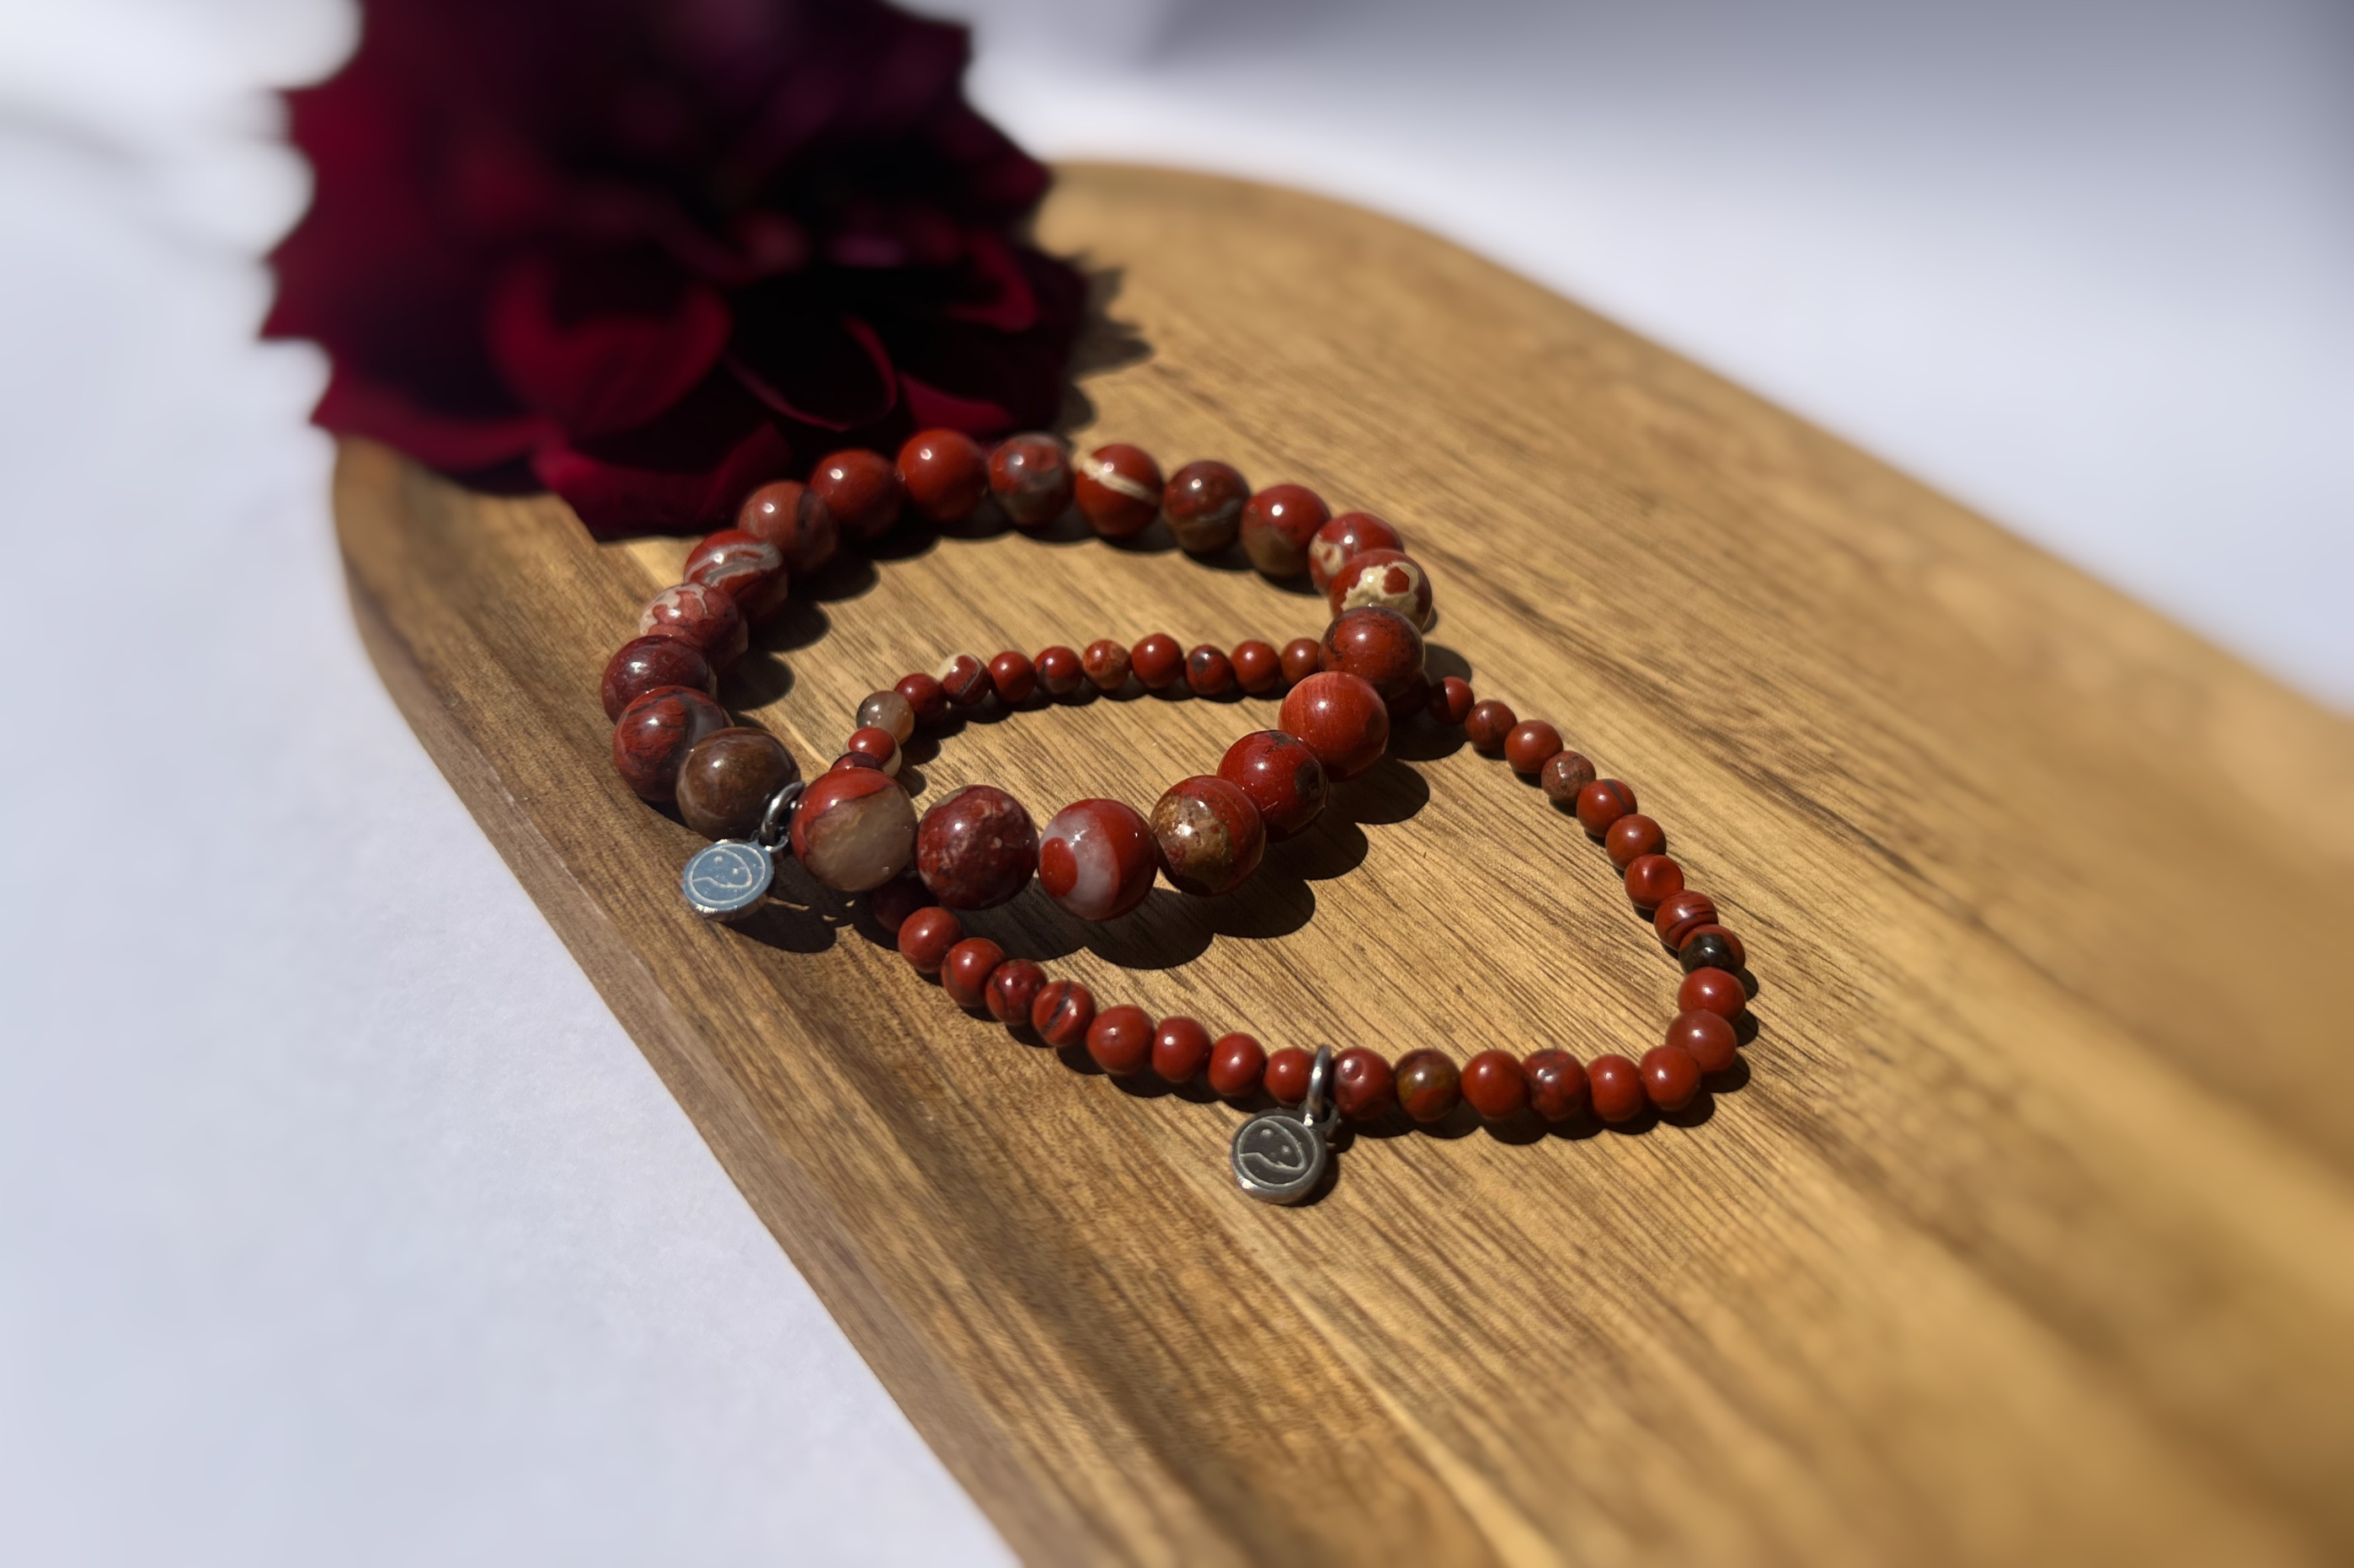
{"x": 323, "y": 1238}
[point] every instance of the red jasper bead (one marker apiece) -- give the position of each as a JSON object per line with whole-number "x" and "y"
{"x": 1707, "y": 1034}
{"x": 796, "y": 520}
{"x": 705, "y": 617}
{"x": 1603, "y": 802}
{"x": 1208, "y": 673}
{"x": 1364, "y": 1086}
{"x": 1670, "y": 1076}
{"x": 729, "y": 779}
{"x": 1031, "y": 476}
{"x": 654, "y": 733}
{"x": 965, "y": 679}
{"x": 1278, "y": 524}
{"x": 976, "y": 849}
{"x": 1097, "y": 859}
{"x": 892, "y": 903}
{"x": 926, "y": 937}
{"x": 1380, "y": 647}
{"x": 856, "y": 759}
{"x": 1119, "y": 490}
{"x": 1120, "y": 1040}
{"x": 1616, "y": 1086}
{"x": 1557, "y": 1087}
{"x": 1013, "y": 677}
{"x": 1341, "y": 719}
{"x": 1734, "y": 949}
{"x": 1530, "y": 744}
{"x": 1211, "y": 837}
{"x": 1351, "y": 533}
{"x": 944, "y": 473}
{"x": 1632, "y": 837}
{"x": 1428, "y": 1085}
{"x": 1450, "y": 700}
{"x": 1681, "y": 914}
{"x": 1012, "y": 989}
{"x": 1180, "y": 1048}
{"x": 1238, "y": 1062}
{"x": 855, "y": 830}
{"x": 861, "y": 489}
{"x": 1651, "y": 879}
{"x": 1259, "y": 668}
{"x": 749, "y": 571}
{"x": 1301, "y": 657}
{"x": 1106, "y": 664}
{"x": 1495, "y": 1085}
{"x": 1488, "y": 725}
{"x": 1158, "y": 662}
{"x": 1062, "y": 1013}
{"x": 1059, "y": 672}
{"x": 1286, "y": 1075}
{"x": 1204, "y": 506}
{"x": 1563, "y": 775}
{"x": 877, "y": 743}
{"x": 1282, "y": 779}
{"x": 964, "y": 973}
{"x": 645, "y": 662}
{"x": 925, "y": 695}
{"x": 1385, "y": 577}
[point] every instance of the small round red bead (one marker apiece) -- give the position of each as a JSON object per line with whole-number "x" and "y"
{"x": 1557, "y": 1086}
{"x": 645, "y": 662}
{"x": 1012, "y": 989}
{"x": 964, "y": 973}
{"x": 1708, "y": 1036}
{"x": 1615, "y": 1086}
{"x": 1341, "y": 719}
{"x": 1059, "y": 671}
{"x": 1031, "y": 476}
{"x": 1259, "y": 668}
{"x": 1278, "y": 524}
{"x": 1530, "y": 746}
{"x": 1107, "y": 665}
{"x": 1681, "y": 915}
{"x": 965, "y": 679}
{"x": 1712, "y": 990}
{"x": 1631, "y": 837}
{"x": 1120, "y": 1040}
{"x": 1286, "y": 1074}
{"x": 1013, "y": 677}
{"x": 860, "y": 488}
{"x": 1237, "y": 1062}
{"x": 1428, "y": 1085}
{"x": 944, "y": 474}
{"x": 1603, "y": 802}
{"x": 1208, "y": 672}
{"x": 925, "y": 697}
{"x": 926, "y": 937}
{"x": 1451, "y": 701}
{"x": 1651, "y": 879}
{"x": 1181, "y": 1049}
{"x": 1670, "y": 1076}
{"x": 1061, "y": 1012}
{"x": 1495, "y": 1085}
{"x": 1364, "y": 1088}
{"x": 1301, "y": 657}
{"x": 1488, "y": 725}
{"x": 1119, "y": 489}
{"x": 1157, "y": 660}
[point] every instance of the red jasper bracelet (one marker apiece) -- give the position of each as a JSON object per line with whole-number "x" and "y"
{"x": 855, "y": 830}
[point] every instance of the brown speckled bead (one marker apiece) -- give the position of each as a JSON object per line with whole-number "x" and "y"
{"x": 1277, "y": 524}
{"x": 1603, "y": 802}
{"x": 1106, "y": 664}
{"x": 1651, "y": 879}
{"x": 1557, "y": 1087}
{"x": 976, "y": 849}
{"x": 1120, "y": 1040}
{"x": 645, "y": 662}
{"x": 1031, "y": 476}
{"x": 1059, "y": 672}
{"x": 1180, "y": 1048}
{"x": 1616, "y": 1088}
{"x": 1238, "y": 1062}
{"x": 964, "y": 973}
{"x": 1341, "y": 719}
{"x": 855, "y": 830}
{"x": 1097, "y": 859}
{"x": 1211, "y": 837}
{"x": 862, "y": 490}
{"x": 1301, "y": 657}
{"x": 1348, "y": 535}
{"x": 1119, "y": 489}
{"x": 1679, "y": 914}
{"x": 796, "y": 520}
{"x": 1389, "y": 579}
{"x": 1158, "y": 662}
{"x": 1428, "y": 1085}
{"x": 1286, "y": 1075}
{"x": 1061, "y": 1013}
{"x": 654, "y": 733}
{"x": 1259, "y": 668}
{"x": 1670, "y": 1076}
{"x": 729, "y": 777}
{"x": 875, "y": 741}
{"x": 749, "y": 571}
{"x": 1204, "y": 506}
{"x": 890, "y": 712}
{"x": 1013, "y": 677}
{"x": 1208, "y": 672}
{"x": 1364, "y": 1086}
{"x": 892, "y": 903}
{"x": 1450, "y": 700}
{"x": 925, "y": 697}
{"x": 1706, "y": 1033}
{"x": 1282, "y": 779}
{"x": 1734, "y": 949}
{"x": 1531, "y": 744}
{"x": 705, "y": 617}
{"x": 926, "y": 937}
{"x": 1563, "y": 775}
{"x": 1380, "y": 647}
{"x": 1631, "y": 837}
{"x": 1495, "y": 1085}
{"x": 1488, "y": 725}
{"x": 965, "y": 680}
{"x": 944, "y": 474}
{"x": 1012, "y": 989}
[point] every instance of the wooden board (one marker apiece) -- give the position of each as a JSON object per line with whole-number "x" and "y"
{"x": 2029, "y": 1234}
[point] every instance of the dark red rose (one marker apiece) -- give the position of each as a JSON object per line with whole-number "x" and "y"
{"x": 650, "y": 253}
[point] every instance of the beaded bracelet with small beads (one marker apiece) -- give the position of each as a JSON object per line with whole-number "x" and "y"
{"x": 856, "y": 831}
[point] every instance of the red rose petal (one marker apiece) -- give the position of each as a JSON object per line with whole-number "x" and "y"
{"x": 608, "y": 362}
{"x": 354, "y": 405}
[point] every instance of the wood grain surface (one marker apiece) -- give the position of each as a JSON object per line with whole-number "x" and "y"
{"x": 2030, "y": 1233}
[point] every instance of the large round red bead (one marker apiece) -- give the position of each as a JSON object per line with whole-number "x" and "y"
{"x": 796, "y": 520}
{"x": 860, "y": 488}
{"x": 977, "y": 848}
{"x": 944, "y": 473}
{"x": 1390, "y": 578}
{"x": 1097, "y": 859}
{"x": 1350, "y": 534}
{"x": 1278, "y": 524}
{"x": 1341, "y": 719}
{"x": 855, "y": 830}
{"x": 1281, "y": 777}
{"x": 1031, "y": 476}
{"x": 1210, "y": 836}
{"x": 654, "y": 733}
{"x": 643, "y": 663}
{"x": 1204, "y": 506}
{"x": 1380, "y": 647}
{"x": 706, "y": 616}
{"x": 1119, "y": 489}
{"x": 749, "y": 571}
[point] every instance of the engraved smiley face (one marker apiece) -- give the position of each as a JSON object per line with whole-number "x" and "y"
{"x": 1277, "y": 1158}
{"x": 727, "y": 879}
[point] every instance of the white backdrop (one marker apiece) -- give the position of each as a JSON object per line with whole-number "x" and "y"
{"x": 321, "y": 1239}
